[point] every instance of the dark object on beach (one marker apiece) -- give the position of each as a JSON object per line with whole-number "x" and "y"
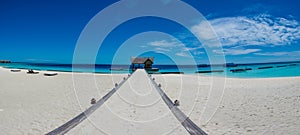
{"x": 116, "y": 84}
{"x": 210, "y": 71}
{"x": 50, "y": 74}
{"x": 93, "y": 101}
{"x": 282, "y": 66}
{"x": 265, "y": 67}
{"x": 15, "y": 70}
{"x": 176, "y": 102}
{"x": 30, "y": 71}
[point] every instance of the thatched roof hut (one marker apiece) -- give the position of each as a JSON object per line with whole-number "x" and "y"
{"x": 142, "y": 62}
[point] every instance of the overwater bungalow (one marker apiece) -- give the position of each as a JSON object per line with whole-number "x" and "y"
{"x": 142, "y": 63}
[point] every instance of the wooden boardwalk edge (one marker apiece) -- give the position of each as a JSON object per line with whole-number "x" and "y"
{"x": 63, "y": 129}
{"x": 185, "y": 121}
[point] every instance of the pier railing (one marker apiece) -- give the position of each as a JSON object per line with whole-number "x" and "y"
{"x": 63, "y": 129}
{"x": 185, "y": 121}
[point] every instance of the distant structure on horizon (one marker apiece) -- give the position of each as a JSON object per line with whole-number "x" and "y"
{"x": 142, "y": 63}
{"x": 5, "y": 61}
{"x": 230, "y": 65}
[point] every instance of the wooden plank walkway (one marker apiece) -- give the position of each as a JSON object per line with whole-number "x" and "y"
{"x": 188, "y": 124}
{"x": 82, "y": 116}
{"x": 128, "y": 112}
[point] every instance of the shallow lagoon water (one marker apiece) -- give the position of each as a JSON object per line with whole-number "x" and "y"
{"x": 287, "y": 69}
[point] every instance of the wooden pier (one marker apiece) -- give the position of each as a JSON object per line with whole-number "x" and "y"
{"x": 136, "y": 106}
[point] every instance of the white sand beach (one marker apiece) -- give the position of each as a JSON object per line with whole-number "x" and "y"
{"x": 37, "y": 104}
{"x": 249, "y": 106}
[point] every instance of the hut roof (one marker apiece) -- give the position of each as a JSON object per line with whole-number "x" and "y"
{"x": 141, "y": 60}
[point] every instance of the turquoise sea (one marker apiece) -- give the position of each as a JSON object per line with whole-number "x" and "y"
{"x": 254, "y": 70}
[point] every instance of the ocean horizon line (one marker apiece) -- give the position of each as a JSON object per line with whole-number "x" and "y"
{"x": 239, "y": 70}
{"x": 199, "y": 64}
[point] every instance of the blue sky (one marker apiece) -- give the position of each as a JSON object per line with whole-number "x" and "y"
{"x": 249, "y": 31}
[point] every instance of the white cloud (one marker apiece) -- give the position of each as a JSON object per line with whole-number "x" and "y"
{"x": 192, "y": 48}
{"x": 271, "y": 53}
{"x": 233, "y": 51}
{"x": 143, "y": 46}
{"x": 259, "y": 30}
{"x": 293, "y": 53}
{"x": 182, "y": 54}
{"x": 198, "y": 52}
{"x": 164, "y": 43}
{"x": 204, "y": 31}
{"x": 162, "y": 49}
{"x": 177, "y": 47}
